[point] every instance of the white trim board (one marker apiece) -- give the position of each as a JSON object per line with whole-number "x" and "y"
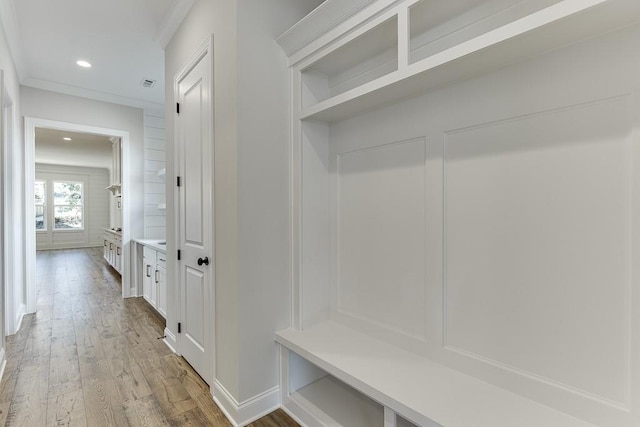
{"x": 245, "y": 412}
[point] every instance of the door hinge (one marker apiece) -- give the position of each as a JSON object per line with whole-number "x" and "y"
{"x": 179, "y": 328}
{"x": 179, "y": 254}
{"x": 178, "y": 181}
{"x": 177, "y": 108}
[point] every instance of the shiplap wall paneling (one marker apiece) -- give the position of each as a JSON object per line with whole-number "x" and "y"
{"x": 154, "y": 187}
{"x": 96, "y": 207}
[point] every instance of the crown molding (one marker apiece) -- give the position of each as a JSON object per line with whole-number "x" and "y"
{"x": 172, "y": 21}
{"x": 321, "y": 20}
{"x": 92, "y": 94}
{"x": 10, "y": 27}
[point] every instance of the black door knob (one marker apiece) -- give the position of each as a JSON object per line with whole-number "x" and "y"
{"x": 204, "y": 261}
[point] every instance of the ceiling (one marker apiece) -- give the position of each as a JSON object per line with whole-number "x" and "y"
{"x": 84, "y": 149}
{"x": 124, "y": 41}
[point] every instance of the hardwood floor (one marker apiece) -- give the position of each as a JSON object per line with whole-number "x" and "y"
{"x": 90, "y": 358}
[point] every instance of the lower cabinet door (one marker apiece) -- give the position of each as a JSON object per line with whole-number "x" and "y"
{"x": 162, "y": 291}
{"x": 112, "y": 254}
{"x": 154, "y": 287}
{"x": 147, "y": 279}
{"x": 118, "y": 255}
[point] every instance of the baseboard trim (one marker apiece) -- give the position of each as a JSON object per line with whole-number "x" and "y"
{"x": 170, "y": 340}
{"x": 293, "y": 415}
{"x": 248, "y": 411}
{"x": 69, "y": 246}
{"x": 22, "y": 311}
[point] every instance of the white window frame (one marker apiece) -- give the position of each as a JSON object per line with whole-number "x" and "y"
{"x": 45, "y": 206}
{"x": 54, "y": 205}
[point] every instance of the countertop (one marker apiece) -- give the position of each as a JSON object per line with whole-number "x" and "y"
{"x": 153, "y": 244}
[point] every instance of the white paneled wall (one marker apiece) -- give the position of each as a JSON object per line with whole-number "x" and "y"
{"x": 96, "y": 207}
{"x": 154, "y": 187}
{"x": 489, "y": 225}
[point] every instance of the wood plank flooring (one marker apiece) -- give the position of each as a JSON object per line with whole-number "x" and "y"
{"x": 90, "y": 358}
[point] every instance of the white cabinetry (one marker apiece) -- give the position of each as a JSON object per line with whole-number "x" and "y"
{"x": 112, "y": 249}
{"x": 116, "y": 167}
{"x": 161, "y": 283}
{"x": 449, "y": 264}
{"x": 154, "y": 273}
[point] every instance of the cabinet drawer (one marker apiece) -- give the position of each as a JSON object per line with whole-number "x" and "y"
{"x": 162, "y": 260}
{"x": 148, "y": 252}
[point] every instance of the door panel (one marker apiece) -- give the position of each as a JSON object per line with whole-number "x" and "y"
{"x": 192, "y": 106}
{"x": 193, "y": 324}
{"x": 194, "y": 131}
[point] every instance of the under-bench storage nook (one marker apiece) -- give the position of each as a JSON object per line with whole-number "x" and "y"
{"x": 465, "y": 200}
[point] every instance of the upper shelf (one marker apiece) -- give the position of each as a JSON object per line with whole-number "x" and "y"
{"x": 554, "y": 24}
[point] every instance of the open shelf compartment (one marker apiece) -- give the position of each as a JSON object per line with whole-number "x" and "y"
{"x": 327, "y": 400}
{"x": 366, "y": 58}
{"x": 463, "y": 54}
{"x": 436, "y": 26}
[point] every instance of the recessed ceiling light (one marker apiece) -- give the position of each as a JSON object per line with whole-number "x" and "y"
{"x": 66, "y": 138}
{"x": 84, "y": 64}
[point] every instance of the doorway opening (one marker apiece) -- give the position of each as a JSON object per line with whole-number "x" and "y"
{"x": 32, "y": 126}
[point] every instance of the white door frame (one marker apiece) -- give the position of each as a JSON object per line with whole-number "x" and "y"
{"x": 30, "y": 125}
{"x": 14, "y": 305}
{"x": 206, "y": 48}
{"x": 3, "y": 229}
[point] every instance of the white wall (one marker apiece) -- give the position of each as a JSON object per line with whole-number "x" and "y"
{"x": 154, "y": 187}
{"x": 263, "y": 186}
{"x": 207, "y": 17}
{"x": 251, "y": 94}
{"x": 65, "y": 108}
{"x": 96, "y": 207}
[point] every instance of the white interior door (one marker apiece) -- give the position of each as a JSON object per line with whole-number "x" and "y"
{"x": 195, "y": 170}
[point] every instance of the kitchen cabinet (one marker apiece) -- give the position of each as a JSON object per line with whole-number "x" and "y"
{"x": 112, "y": 249}
{"x": 154, "y": 274}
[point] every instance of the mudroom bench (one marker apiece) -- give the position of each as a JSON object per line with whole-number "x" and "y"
{"x": 343, "y": 377}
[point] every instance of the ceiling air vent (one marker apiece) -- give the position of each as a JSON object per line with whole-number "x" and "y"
{"x": 148, "y": 83}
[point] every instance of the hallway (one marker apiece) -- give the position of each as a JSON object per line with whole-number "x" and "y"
{"x": 90, "y": 358}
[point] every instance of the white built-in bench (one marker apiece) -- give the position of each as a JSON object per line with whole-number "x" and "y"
{"x": 419, "y": 390}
